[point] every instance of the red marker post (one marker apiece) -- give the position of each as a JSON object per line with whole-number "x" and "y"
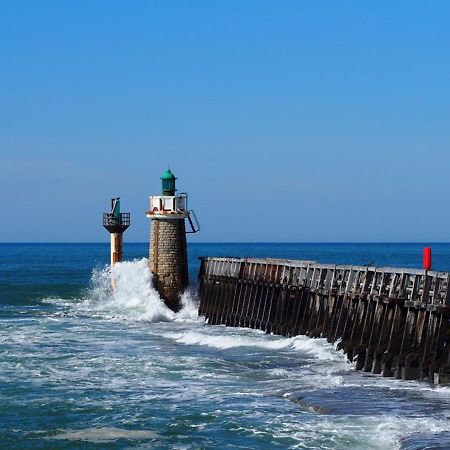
{"x": 427, "y": 258}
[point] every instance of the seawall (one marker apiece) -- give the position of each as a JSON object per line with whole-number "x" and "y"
{"x": 395, "y": 322}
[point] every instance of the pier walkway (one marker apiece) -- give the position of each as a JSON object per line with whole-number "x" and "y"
{"x": 389, "y": 321}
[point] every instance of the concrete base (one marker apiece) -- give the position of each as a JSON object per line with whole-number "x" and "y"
{"x": 410, "y": 373}
{"x": 376, "y": 366}
{"x": 368, "y": 364}
{"x": 442, "y": 378}
{"x": 386, "y": 370}
{"x": 360, "y": 360}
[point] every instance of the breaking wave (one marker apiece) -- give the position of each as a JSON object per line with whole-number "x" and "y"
{"x": 224, "y": 338}
{"x": 133, "y": 298}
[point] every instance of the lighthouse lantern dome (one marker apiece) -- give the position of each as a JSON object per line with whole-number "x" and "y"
{"x": 168, "y": 183}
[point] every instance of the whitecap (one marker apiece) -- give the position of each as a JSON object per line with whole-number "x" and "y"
{"x": 134, "y": 297}
{"x": 224, "y": 338}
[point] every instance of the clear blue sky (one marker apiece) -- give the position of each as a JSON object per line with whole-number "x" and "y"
{"x": 284, "y": 120}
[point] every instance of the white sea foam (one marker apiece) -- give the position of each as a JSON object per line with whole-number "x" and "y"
{"x": 227, "y": 338}
{"x": 225, "y": 341}
{"x": 390, "y": 429}
{"x": 105, "y": 435}
{"x": 279, "y": 372}
{"x": 319, "y": 348}
{"x": 382, "y": 432}
{"x": 133, "y": 298}
{"x": 122, "y": 365}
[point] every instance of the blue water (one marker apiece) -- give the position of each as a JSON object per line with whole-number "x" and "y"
{"x": 82, "y": 367}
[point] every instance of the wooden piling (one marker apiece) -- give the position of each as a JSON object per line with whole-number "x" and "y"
{"x": 395, "y": 322}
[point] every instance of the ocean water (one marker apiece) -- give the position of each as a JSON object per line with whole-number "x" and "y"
{"x": 82, "y": 367}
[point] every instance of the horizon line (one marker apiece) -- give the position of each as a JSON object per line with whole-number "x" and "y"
{"x": 229, "y": 242}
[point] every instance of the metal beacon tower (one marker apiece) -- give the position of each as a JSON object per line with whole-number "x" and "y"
{"x": 116, "y": 223}
{"x": 168, "y": 247}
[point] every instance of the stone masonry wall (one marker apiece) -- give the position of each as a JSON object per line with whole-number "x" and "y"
{"x": 168, "y": 259}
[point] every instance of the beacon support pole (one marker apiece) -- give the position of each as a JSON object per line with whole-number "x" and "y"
{"x": 116, "y": 248}
{"x": 116, "y": 223}
{"x": 168, "y": 246}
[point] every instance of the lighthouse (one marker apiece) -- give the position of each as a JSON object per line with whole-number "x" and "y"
{"x": 168, "y": 247}
{"x": 116, "y": 223}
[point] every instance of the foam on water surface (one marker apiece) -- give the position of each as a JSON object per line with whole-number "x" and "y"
{"x": 134, "y": 297}
{"x": 105, "y": 435}
{"x": 224, "y": 338}
{"x": 117, "y": 365}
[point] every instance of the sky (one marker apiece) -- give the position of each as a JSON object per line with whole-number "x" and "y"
{"x": 285, "y": 121}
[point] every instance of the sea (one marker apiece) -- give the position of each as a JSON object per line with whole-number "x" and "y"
{"x": 82, "y": 367}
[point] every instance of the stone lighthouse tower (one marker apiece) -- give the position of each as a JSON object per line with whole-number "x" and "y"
{"x": 168, "y": 248}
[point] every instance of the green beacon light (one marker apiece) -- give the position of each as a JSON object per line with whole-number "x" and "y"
{"x": 168, "y": 183}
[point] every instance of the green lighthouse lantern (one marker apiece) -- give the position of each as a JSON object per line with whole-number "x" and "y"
{"x": 168, "y": 183}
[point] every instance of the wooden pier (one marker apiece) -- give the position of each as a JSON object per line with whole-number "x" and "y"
{"x": 394, "y": 322}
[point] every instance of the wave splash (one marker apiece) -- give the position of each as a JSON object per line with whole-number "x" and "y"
{"x": 134, "y": 297}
